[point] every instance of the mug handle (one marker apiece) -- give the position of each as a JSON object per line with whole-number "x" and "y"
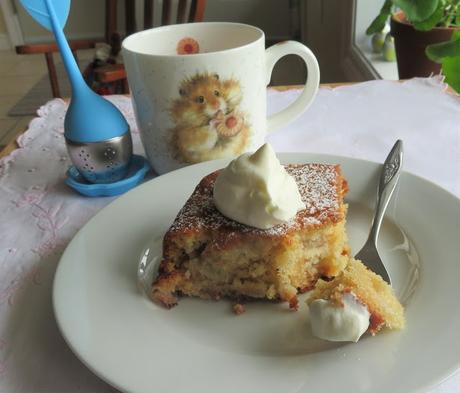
{"x": 272, "y": 55}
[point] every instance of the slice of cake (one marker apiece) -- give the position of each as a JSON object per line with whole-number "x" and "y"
{"x": 366, "y": 295}
{"x": 210, "y": 256}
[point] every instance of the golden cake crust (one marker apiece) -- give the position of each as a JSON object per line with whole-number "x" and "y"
{"x": 321, "y": 186}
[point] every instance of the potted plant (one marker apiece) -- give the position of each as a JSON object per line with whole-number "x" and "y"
{"x": 426, "y": 35}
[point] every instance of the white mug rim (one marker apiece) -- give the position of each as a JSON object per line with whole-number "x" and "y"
{"x": 132, "y": 37}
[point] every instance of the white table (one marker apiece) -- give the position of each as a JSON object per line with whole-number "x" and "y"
{"x": 40, "y": 214}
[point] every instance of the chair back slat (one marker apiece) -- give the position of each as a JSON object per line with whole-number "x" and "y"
{"x": 197, "y": 11}
{"x": 52, "y": 75}
{"x": 166, "y": 13}
{"x": 148, "y": 14}
{"x": 130, "y": 17}
{"x": 110, "y": 18}
{"x": 74, "y": 52}
{"x": 181, "y": 10}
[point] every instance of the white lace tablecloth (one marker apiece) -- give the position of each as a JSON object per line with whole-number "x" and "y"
{"x": 40, "y": 214}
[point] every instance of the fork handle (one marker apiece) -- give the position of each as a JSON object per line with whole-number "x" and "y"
{"x": 387, "y": 184}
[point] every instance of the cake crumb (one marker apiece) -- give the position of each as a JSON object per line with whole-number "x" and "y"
{"x": 165, "y": 299}
{"x": 238, "y": 309}
{"x": 294, "y": 303}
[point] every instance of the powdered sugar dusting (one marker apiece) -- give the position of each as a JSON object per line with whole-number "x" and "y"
{"x": 320, "y": 186}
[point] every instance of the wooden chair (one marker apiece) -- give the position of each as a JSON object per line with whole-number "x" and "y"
{"x": 114, "y": 73}
{"x": 49, "y": 48}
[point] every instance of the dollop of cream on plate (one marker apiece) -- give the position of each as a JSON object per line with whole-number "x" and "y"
{"x": 335, "y": 323}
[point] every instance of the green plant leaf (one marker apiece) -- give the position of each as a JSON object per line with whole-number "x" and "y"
{"x": 438, "y": 52}
{"x": 451, "y": 66}
{"x": 417, "y": 10}
{"x": 378, "y": 23}
{"x": 432, "y": 21}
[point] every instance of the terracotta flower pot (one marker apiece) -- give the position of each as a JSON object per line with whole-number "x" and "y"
{"x": 410, "y": 46}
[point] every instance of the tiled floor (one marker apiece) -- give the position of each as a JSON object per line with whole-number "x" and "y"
{"x": 18, "y": 73}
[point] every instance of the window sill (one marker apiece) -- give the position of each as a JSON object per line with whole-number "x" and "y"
{"x": 386, "y": 69}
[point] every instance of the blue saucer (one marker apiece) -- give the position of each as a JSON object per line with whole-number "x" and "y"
{"x": 137, "y": 170}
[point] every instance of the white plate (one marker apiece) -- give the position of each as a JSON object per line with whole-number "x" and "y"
{"x": 200, "y": 346}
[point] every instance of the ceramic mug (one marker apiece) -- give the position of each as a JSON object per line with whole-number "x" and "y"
{"x": 199, "y": 90}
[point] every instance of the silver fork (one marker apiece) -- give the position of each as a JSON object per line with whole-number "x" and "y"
{"x": 387, "y": 184}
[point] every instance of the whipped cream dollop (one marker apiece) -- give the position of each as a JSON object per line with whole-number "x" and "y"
{"x": 334, "y": 323}
{"x": 255, "y": 189}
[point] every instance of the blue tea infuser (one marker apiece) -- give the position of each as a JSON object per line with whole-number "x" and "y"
{"x": 97, "y": 135}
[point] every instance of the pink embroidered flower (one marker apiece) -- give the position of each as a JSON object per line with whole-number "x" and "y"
{"x": 47, "y": 219}
{"x": 18, "y": 283}
{"x": 32, "y": 196}
{"x": 49, "y": 247}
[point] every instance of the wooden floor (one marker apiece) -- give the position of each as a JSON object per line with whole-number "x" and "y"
{"x": 18, "y": 73}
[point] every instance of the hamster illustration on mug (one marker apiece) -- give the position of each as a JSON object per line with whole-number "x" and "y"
{"x": 207, "y": 121}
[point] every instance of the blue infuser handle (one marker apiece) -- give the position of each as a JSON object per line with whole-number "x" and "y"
{"x": 90, "y": 118}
